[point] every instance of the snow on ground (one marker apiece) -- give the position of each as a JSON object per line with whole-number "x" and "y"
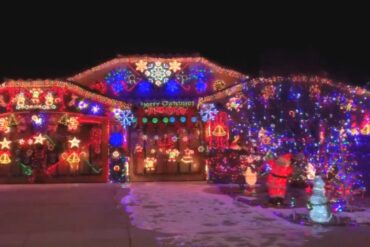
{"x": 196, "y": 214}
{"x": 361, "y": 217}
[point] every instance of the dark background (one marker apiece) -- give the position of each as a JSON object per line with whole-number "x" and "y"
{"x": 260, "y": 41}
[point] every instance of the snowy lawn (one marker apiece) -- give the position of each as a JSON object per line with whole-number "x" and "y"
{"x": 197, "y": 214}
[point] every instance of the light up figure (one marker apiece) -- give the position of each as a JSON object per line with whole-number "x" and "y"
{"x": 4, "y": 125}
{"x": 188, "y": 158}
{"x": 36, "y": 93}
{"x": 250, "y": 176}
{"x": 150, "y": 164}
{"x": 20, "y": 100}
{"x": 72, "y": 123}
{"x": 318, "y": 204}
{"x": 49, "y": 100}
{"x": 187, "y": 161}
{"x": 172, "y": 154}
{"x": 277, "y": 179}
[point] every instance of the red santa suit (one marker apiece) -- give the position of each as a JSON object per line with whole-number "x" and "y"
{"x": 278, "y": 177}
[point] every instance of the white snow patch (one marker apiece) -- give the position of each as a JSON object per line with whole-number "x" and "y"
{"x": 361, "y": 217}
{"x": 196, "y": 214}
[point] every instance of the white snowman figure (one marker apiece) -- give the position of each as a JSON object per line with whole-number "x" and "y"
{"x": 318, "y": 203}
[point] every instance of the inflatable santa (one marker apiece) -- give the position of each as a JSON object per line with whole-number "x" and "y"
{"x": 277, "y": 179}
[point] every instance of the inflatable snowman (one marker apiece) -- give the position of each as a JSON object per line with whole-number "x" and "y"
{"x": 318, "y": 203}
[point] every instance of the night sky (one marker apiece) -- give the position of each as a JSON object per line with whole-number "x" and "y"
{"x": 44, "y": 48}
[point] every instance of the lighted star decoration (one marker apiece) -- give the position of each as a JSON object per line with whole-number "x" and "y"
{"x": 158, "y": 73}
{"x": 175, "y": 66}
{"x": 141, "y": 66}
{"x": 208, "y": 112}
{"x": 39, "y": 139}
{"x": 74, "y": 142}
{"x": 5, "y": 143}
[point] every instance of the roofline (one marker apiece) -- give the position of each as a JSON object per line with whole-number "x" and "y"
{"x": 130, "y": 59}
{"x": 64, "y": 85}
{"x": 354, "y": 90}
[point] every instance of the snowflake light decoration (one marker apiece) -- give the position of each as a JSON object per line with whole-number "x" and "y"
{"x": 208, "y": 112}
{"x": 141, "y": 66}
{"x": 234, "y": 103}
{"x": 158, "y": 73}
{"x": 125, "y": 117}
{"x": 175, "y": 66}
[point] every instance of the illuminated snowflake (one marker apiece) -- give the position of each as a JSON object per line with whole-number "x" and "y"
{"x": 175, "y": 66}
{"x": 208, "y": 112}
{"x": 158, "y": 73}
{"x": 141, "y": 66}
{"x": 125, "y": 117}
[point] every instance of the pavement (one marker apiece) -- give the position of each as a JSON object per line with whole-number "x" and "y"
{"x": 174, "y": 214}
{"x": 67, "y": 215}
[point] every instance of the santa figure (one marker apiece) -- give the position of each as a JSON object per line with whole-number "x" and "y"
{"x": 277, "y": 179}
